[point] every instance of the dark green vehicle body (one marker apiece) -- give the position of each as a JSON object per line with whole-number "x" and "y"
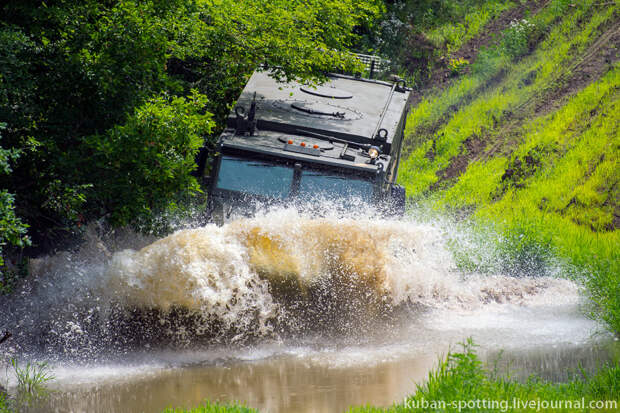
{"x": 288, "y": 143}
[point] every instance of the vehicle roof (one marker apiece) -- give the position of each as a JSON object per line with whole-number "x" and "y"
{"x": 345, "y": 107}
{"x": 329, "y": 153}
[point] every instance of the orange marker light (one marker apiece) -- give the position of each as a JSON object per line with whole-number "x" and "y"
{"x": 303, "y": 144}
{"x": 290, "y": 142}
{"x": 316, "y": 146}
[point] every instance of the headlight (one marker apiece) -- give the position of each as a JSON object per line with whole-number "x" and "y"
{"x": 373, "y": 152}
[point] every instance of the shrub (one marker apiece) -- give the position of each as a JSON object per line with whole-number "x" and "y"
{"x": 515, "y": 42}
{"x": 458, "y": 65}
{"x": 12, "y": 229}
{"x": 144, "y": 166}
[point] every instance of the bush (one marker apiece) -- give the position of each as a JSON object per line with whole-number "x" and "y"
{"x": 143, "y": 167}
{"x": 515, "y": 42}
{"x": 457, "y": 66}
{"x": 12, "y": 229}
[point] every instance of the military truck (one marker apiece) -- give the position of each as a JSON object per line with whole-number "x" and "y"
{"x": 296, "y": 144}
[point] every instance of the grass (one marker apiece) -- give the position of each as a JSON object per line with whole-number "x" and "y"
{"x": 31, "y": 379}
{"x": 461, "y": 380}
{"x": 546, "y": 180}
{"x": 452, "y": 35}
{"x": 490, "y": 108}
{"x": 31, "y": 386}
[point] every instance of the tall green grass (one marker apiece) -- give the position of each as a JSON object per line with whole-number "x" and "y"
{"x": 494, "y": 103}
{"x": 31, "y": 386}
{"x": 547, "y": 181}
{"x": 460, "y": 379}
{"x": 452, "y": 35}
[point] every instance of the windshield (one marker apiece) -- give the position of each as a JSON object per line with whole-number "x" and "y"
{"x": 334, "y": 186}
{"x": 273, "y": 180}
{"x": 255, "y": 177}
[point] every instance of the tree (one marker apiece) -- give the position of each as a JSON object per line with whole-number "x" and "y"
{"x": 86, "y": 86}
{"x": 12, "y": 229}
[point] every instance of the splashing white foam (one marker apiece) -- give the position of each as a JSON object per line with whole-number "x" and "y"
{"x": 247, "y": 274}
{"x": 235, "y": 267}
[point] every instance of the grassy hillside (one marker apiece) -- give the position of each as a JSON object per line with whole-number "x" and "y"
{"x": 525, "y": 139}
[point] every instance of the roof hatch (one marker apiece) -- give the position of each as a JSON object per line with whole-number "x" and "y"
{"x": 326, "y": 92}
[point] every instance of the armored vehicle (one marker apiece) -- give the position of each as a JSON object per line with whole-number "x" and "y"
{"x": 293, "y": 143}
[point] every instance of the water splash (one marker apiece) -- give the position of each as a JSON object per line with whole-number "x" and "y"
{"x": 278, "y": 274}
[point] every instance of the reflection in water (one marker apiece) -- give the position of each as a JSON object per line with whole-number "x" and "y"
{"x": 555, "y": 363}
{"x": 316, "y": 382}
{"x": 274, "y": 385}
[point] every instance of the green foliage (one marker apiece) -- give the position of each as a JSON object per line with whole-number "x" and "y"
{"x": 438, "y": 118}
{"x": 419, "y": 37}
{"x": 84, "y": 83}
{"x": 12, "y": 229}
{"x": 146, "y": 163}
{"x": 209, "y": 407}
{"x": 226, "y": 40}
{"x": 31, "y": 383}
{"x": 516, "y": 38}
{"x": 489, "y": 63}
{"x": 488, "y": 109}
{"x": 457, "y": 65}
{"x": 465, "y": 22}
{"x": 546, "y": 181}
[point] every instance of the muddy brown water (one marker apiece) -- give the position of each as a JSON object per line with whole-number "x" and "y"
{"x": 288, "y": 383}
{"x": 554, "y": 342}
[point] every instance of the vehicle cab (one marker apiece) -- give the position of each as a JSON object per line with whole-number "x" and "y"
{"x": 290, "y": 143}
